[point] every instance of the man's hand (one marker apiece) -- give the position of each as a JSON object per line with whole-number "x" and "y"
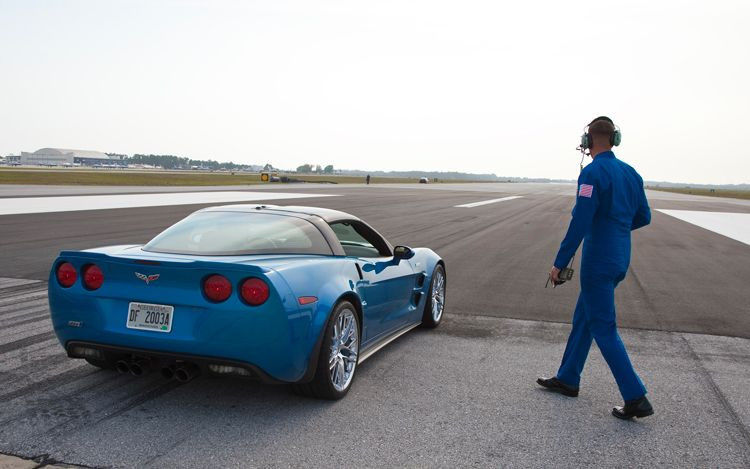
{"x": 554, "y": 275}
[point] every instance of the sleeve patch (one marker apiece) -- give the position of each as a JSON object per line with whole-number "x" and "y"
{"x": 585, "y": 190}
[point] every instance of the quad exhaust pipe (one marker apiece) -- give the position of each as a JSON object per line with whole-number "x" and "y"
{"x": 168, "y": 372}
{"x": 122, "y": 367}
{"x": 182, "y": 372}
{"x": 134, "y": 367}
{"x": 139, "y": 367}
{"x": 186, "y": 372}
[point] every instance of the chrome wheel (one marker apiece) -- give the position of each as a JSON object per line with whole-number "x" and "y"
{"x": 438, "y": 295}
{"x": 344, "y": 348}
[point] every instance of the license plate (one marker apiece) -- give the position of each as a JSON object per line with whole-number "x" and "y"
{"x": 150, "y": 317}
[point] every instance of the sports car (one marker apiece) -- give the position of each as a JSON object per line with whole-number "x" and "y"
{"x": 280, "y": 294}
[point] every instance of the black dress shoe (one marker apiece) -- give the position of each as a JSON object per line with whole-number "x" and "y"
{"x": 554, "y": 384}
{"x": 636, "y": 408}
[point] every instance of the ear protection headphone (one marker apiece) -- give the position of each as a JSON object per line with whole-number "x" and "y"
{"x": 614, "y": 139}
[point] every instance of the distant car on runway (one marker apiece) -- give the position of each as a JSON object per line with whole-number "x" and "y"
{"x": 423, "y": 180}
{"x": 297, "y": 295}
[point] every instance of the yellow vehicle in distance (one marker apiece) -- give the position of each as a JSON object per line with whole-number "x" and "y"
{"x": 267, "y": 176}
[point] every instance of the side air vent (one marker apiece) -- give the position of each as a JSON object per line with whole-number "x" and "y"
{"x": 417, "y": 297}
{"x": 420, "y": 280}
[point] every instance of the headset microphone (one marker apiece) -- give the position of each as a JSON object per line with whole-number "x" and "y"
{"x": 583, "y": 156}
{"x": 582, "y": 148}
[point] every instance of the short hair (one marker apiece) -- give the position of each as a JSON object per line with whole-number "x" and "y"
{"x": 602, "y": 126}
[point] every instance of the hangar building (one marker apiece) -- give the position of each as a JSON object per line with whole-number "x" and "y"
{"x": 66, "y": 157}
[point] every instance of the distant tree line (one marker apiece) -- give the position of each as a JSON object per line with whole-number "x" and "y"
{"x": 309, "y": 169}
{"x": 683, "y": 185}
{"x": 119, "y": 156}
{"x": 177, "y": 162}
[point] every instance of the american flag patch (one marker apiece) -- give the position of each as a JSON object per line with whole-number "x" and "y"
{"x": 585, "y": 190}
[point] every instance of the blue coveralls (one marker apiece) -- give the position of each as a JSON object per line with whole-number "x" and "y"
{"x": 610, "y": 203}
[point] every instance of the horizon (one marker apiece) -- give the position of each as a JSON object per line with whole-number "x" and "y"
{"x": 401, "y": 171}
{"x": 485, "y": 88}
{"x": 344, "y": 171}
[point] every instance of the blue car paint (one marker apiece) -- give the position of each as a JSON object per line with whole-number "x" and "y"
{"x": 271, "y": 336}
{"x": 387, "y": 288}
{"x": 279, "y": 336}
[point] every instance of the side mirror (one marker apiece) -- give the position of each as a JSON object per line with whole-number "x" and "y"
{"x": 402, "y": 252}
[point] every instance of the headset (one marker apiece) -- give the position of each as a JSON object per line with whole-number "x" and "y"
{"x": 586, "y": 141}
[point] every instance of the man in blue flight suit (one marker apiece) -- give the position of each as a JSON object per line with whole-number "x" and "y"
{"x": 610, "y": 204}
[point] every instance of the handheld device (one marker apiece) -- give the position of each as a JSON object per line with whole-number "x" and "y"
{"x": 566, "y": 273}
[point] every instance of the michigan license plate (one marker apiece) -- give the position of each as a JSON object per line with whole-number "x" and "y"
{"x": 150, "y": 317}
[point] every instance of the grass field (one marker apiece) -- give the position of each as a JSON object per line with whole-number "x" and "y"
{"x": 103, "y": 177}
{"x": 734, "y": 194}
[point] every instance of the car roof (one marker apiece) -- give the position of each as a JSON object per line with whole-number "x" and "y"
{"x": 326, "y": 214}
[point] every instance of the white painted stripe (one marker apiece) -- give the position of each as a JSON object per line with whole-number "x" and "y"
{"x": 731, "y": 225}
{"x": 492, "y": 201}
{"x": 23, "y": 205}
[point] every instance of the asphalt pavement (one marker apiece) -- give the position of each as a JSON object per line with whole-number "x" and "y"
{"x": 682, "y": 277}
{"x": 462, "y": 395}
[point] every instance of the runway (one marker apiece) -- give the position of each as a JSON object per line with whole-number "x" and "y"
{"x": 461, "y": 396}
{"x": 682, "y": 277}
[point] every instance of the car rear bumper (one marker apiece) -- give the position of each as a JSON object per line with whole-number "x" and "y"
{"x": 280, "y": 344}
{"x": 159, "y": 359}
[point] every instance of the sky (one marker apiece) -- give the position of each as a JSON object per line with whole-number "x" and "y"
{"x": 472, "y": 86}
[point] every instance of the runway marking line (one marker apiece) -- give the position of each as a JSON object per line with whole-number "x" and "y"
{"x": 491, "y": 201}
{"x": 729, "y": 224}
{"x": 26, "y": 205}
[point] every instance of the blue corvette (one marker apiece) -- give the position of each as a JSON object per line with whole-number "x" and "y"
{"x": 297, "y": 295}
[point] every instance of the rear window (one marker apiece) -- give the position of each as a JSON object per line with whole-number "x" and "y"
{"x": 240, "y": 233}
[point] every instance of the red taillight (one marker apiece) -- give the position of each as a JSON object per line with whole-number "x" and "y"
{"x": 254, "y": 291}
{"x": 93, "y": 277}
{"x": 217, "y": 288}
{"x": 66, "y": 274}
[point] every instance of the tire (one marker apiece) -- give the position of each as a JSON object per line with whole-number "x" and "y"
{"x": 434, "y": 306}
{"x": 338, "y": 356}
